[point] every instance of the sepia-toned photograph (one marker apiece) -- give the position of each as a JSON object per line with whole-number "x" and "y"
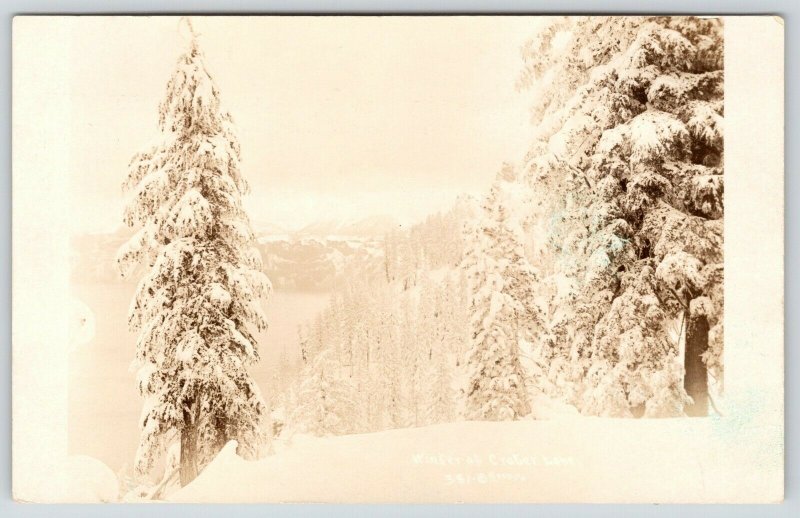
{"x": 397, "y": 259}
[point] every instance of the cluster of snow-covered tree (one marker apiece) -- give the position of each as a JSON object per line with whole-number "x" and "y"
{"x": 441, "y": 337}
{"x": 382, "y": 355}
{"x": 438, "y": 242}
{"x": 594, "y": 272}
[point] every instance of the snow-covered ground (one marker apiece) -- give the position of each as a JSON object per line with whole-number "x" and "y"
{"x": 563, "y": 459}
{"x": 77, "y": 479}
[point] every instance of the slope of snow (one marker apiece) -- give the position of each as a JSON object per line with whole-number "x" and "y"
{"x": 543, "y": 407}
{"x": 80, "y": 479}
{"x": 575, "y": 459}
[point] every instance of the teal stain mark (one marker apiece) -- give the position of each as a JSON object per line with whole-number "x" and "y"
{"x": 747, "y": 425}
{"x": 601, "y": 259}
{"x": 617, "y": 244}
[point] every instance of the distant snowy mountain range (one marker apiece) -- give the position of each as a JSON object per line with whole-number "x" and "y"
{"x": 311, "y": 258}
{"x": 332, "y": 228}
{"x": 370, "y": 227}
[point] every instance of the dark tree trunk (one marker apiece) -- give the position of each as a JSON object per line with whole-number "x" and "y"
{"x": 222, "y": 435}
{"x": 188, "y": 454}
{"x": 696, "y": 378}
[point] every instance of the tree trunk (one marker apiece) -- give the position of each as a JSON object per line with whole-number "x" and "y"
{"x": 695, "y": 380}
{"x": 188, "y": 454}
{"x": 222, "y": 435}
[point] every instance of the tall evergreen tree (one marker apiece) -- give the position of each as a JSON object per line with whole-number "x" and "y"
{"x": 436, "y": 316}
{"x": 628, "y": 164}
{"x": 196, "y": 305}
{"x": 502, "y": 313}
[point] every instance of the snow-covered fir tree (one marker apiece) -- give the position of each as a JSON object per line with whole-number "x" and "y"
{"x": 324, "y": 403}
{"x": 503, "y": 312}
{"x": 200, "y": 297}
{"x": 627, "y": 166}
{"x": 436, "y": 332}
{"x": 440, "y": 398}
{"x": 437, "y": 347}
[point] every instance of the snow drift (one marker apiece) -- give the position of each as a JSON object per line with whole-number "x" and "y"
{"x": 567, "y": 459}
{"x": 76, "y": 479}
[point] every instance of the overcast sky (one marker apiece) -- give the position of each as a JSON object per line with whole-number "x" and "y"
{"x": 338, "y": 117}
